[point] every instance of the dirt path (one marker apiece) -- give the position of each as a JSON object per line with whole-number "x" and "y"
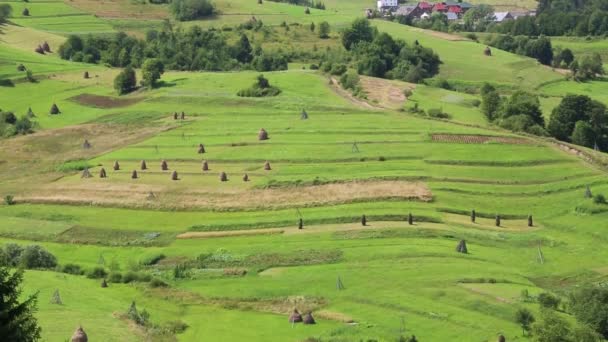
{"x": 335, "y": 86}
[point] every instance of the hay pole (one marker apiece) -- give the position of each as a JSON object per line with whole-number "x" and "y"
{"x": 541, "y": 258}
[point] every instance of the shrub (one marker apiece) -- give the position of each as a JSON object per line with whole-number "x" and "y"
{"x": 313, "y": 67}
{"x": 97, "y": 273}
{"x": 261, "y": 88}
{"x": 438, "y": 113}
{"x": 152, "y": 259}
{"x": 9, "y": 200}
{"x": 126, "y": 81}
{"x": 599, "y": 199}
{"x": 155, "y": 282}
{"x": 115, "y": 277}
{"x": 184, "y": 10}
{"x": 72, "y": 269}
{"x": 408, "y": 92}
{"x": 35, "y": 256}
{"x": 548, "y": 300}
{"x": 338, "y": 69}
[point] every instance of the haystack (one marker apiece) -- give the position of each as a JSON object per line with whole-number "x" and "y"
{"x": 39, "y": 49}
{"x": 183, "y": 116}
{"x": 410, "y": 219}
{"x": 54, "y": 109}
{"x": 164, "y": 166}
{"x": 300, "y": 224}
{"x": 462, "y": 247}
{"x": 80, "y": 336}
{"x": 143, "y": 165}
{"x": 174, "y": 175}
{"x": 134, "y": 175}
{"x": 295, "y": 317}
{"x": 175, "y": 116}
{"x": 487, "y": 51}
{"x": 497, "y": 220}
{"x": 263, "y": 135}
{"x": 86, "y": 173}
{"x": 223, "y": 177}
{"x": 363, "y": 220}
{"x": 104, "y": 284}
{"x": 530, "y": 221}
{"x": 102, "y": 173}
{"x": 30, "y": 113}
{"x": 501, "y": 338}
{"x": 473, "y": 215}
{"x": 588, "y": 193}
{"x": 201, "y": 148}
{"x": 304, "y": 115}
{"x": 116, "y": 166}
{"x": 246, "y": 178}
{"x": 308, "y": 319}
{"x": 205, "y": 165}
{"x": 21, "y": 67}
{"x": 86, "y": 144}
{"x": 56, "y": 298}
{"x": 25, "y": 12}
{"x": 46, "y": 47}
{"x": 86, "y": 75}
{"x": 267, "y": 166}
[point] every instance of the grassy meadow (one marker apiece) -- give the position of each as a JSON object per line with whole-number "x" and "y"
{"x": 248, "y": 263}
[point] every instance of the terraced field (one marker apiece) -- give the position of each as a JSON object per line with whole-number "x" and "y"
{"x": 248, "y": 263}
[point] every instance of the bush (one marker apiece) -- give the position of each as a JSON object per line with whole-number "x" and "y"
{"x": 548, "y": 300}
{"x": 152, "y": 259}
{"x": 72, "y": 269}
{"x": 155, "y": 282}
{"x": 338, "y": 69}
{"x": 115, "y": 277}
{"x": 313, "y": 67}
{"x": 184, "y": 10}
{"x": 97, "y": 273}
{"x": 126, "y": 81}
{"x": 438, "y": 113}
{"x": 9, "y": 200}
{"x": 261, "y": 88}
{"x": 599, "y": 199}
{"x": 35, "y": 256}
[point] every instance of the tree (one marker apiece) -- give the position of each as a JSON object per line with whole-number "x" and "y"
{"x": 478, "y": 17}
{"x": 551, "y": 328}
{"x": 184, "y": 10}
{"x": 243, "y": 50}
{"x": 324, "y": 30}
{"x": 575, "y": 108}
{"x": 151, "y": 71}
{"x": 17, "y": 322}
{"x": 312, "y": 27}
{"x": 523, "y": 103}
{"x": 126, "y": 81}
{"x": 590, "y": 306}
{"x": 583, "y": 134}
{"x": 587, "y": 68}
{"x": 524, "y": 318}
{"x": 490, "y": 101}
{"x": 359, "y": 31}
{"x": 549, "y": 301}
{"x": 5, "y": 12}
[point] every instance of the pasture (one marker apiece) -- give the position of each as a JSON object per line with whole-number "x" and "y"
{"x": 246, "y": 263}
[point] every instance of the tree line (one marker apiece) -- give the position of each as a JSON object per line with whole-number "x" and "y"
{"x": 577, "y": 119}
{"x": 308, "y": 3}
{"x": 195, "y": 49}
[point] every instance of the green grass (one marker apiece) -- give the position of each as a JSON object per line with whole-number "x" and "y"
{"x": 396, "y": 276}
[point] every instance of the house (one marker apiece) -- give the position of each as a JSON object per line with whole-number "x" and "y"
{"x": 407, "y": 10}
{"x": 499, "y": 17}
{"x": 425, "y": 7}
{"x": 440, "y": 7}
{"x": 387, "y": 4}
{"x": 452, "y": 16}
{"x": 455, "y": 9}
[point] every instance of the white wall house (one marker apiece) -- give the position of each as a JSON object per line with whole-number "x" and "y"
{"x": 387, "y": 3}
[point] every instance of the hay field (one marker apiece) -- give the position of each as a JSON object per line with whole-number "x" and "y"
{"x": 248, "y": 263}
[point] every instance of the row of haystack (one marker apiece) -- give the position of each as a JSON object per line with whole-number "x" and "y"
{"x": 179, "y": 116}
{"x": 43, "y": 48}
{"x": 164, "y": 166}
{"x": 498, "y": 218}
{"x": 296, "y": 317}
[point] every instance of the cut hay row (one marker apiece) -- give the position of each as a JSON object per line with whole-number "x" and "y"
{"x": 478, "y": 139}
{"x": 207, "y": 235}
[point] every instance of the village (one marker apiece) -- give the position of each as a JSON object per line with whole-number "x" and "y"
{"x": 454, "y": 11}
